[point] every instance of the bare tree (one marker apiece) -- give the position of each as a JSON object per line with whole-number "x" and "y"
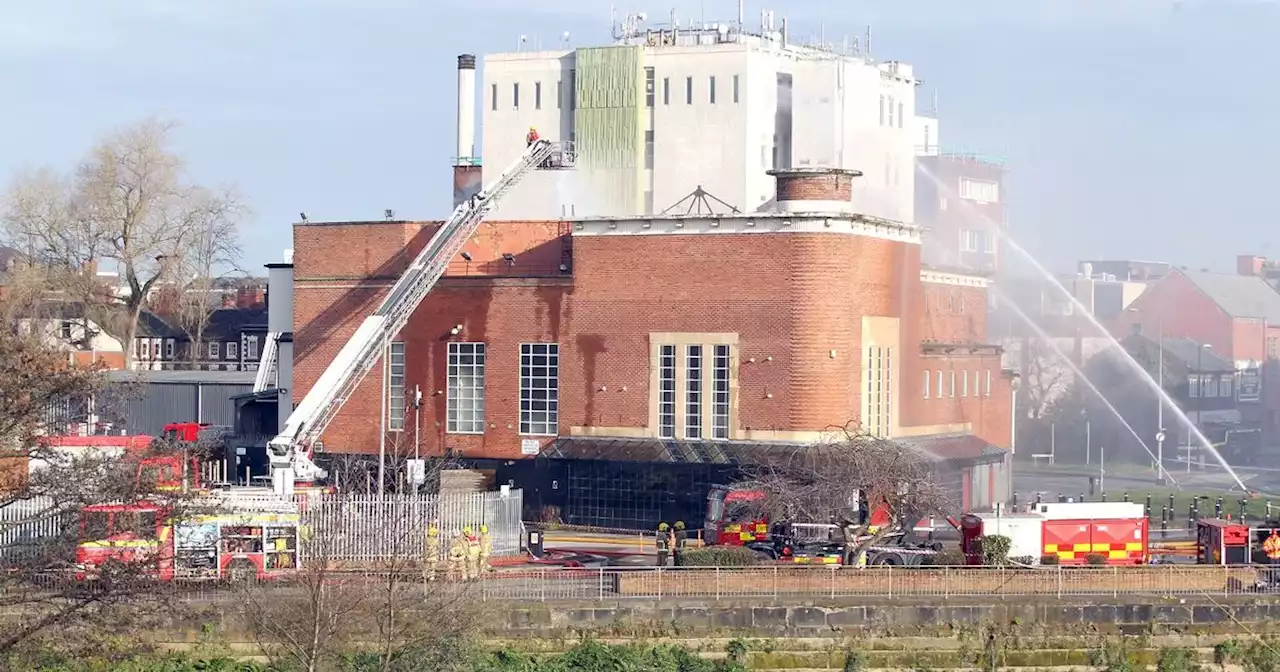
{"x": 214, "y": 251}
{"x": 127, "y": 204}
{"x": 843, "y": 482}
{"x": 1045, "y": 377}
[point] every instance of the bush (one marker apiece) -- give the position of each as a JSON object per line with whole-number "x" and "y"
{"x": 1095, "y": 559}
{"x": 1178, "y": 660}
{"x": 1049, "y": 559}
{"x": 995, "y": 549}
{"x": 949, "y": 557}
{"x": 720, "y": 556}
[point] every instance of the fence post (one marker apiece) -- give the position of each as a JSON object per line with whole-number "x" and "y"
{"x": 1115, "y": 582}
{"x": 946, "y": 582}
{"x": 602, "y": 584}
{"x": 717, "y": 583}
{"x": 659, "y": 570}
{"x": 775, "y": 582}
{"x": 1059, "y": 572}
{"x": 889, "y": 570}
{"x": 1226, "y": 580}
{"x": 831, "y": 582}
{"x": 542, "y": 585}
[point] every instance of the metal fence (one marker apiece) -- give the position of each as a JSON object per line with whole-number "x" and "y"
{"x": 367, "y": 529}
{"x": 875, "y": 582}
{"x": 30, "y": 520}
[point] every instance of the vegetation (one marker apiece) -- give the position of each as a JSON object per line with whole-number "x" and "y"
{"x": 995, "y": 549}
{"x": 720, "y": 556}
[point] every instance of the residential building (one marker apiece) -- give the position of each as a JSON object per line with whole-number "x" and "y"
{"x": 667, "y": 110}
{"x": 1267, "y": 269}
{"x": 959, "y": 203}
{"x": 617, "y": 383}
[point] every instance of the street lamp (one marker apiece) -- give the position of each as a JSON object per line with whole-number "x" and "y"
{"x": 1160, "y": 472}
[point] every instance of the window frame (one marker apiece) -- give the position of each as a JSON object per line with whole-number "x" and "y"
{"x": 214, "y": 350}
{"x": 397, "y": 408}
{"x": 711, "y": 89}
{"x": 721, "y": 412}
{"x": 736, "y": 87}
{"x": 667, "y": 391}
{"x": 546, "y": 419}
{"x": 453, "y": 397}
{"x": 232, "y": 351}
{"x": 927, "y": 386}
{"x": 688, "y": 90}
{"x": 694, "y": 390}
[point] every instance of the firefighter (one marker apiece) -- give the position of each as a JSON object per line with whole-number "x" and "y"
{"x": 458, "y": 558}
{"x": 1272, "y": 548}
{"x": 532, "y": 137}
{"x": 662, "y": 540}
{"x": 473, "y": 554}
{"x": 679, "y": 537}
{"x": 486, "y": 549}
{"x": 431, "y": 554}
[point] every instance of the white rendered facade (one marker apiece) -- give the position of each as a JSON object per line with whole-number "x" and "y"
{"x": 843, "y": 112}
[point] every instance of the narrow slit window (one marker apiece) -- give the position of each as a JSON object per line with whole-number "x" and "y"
{"x": 667, "y": 392}
{"x": 720, "y": 392}
{"x": 693, "y": 392}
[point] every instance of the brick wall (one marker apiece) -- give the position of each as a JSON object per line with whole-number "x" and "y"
{"x": 953, "y": 314}
{"x": 835, "y": 186}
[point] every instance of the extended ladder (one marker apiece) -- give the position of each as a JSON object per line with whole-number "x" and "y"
{"x": 267, "y": 363}
{"x": 289, "y": 451}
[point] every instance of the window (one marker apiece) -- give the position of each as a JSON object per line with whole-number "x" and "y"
{"x": 573, "y": 89}
{"x": 890, "y": 110}
{"x": 900, "y": 115}
{"x": 988, "y": 382}
{"x": 711, "y": 90}
{"x": 735, "y": 88}
{"x": 666, "y": 90}
{"x": 953, "y": 382}
{"x": 539, "y": 389}
{"x": 667, "y": 398}
{"x": 465, "y": 405}
{"x": 168, "y": 348}
{"x": 395, "y": 387}
{"x": 938, "y": 375}
{"x": 879, "y": 392}
{"x": 232, "y": 350}
{"x": 1224, "y": 386}
{"x": 537, "y": 95}
{"x": 493, "y": 97}
{"x": 1193, "y": 386}
{"x": 559, "y": 93}
{"x": 982, "y": 191}
{"x": 1208, "y": 386}
{"x": 688, "y": 90}
{"x": 693, "y": 392}
{"x": 648, "y": 87}
{"x": 964, "y": 383}
{"x": 926, "y": 383}
{"x": 145, "y": 352}
{"x": 720, "y": 392}
{"x": 213, "y": 350}
{"x": 515, "y": 95}
{"x": 882, "y": 109}
{"x": 251, "y": 348}
{"x": 972, "y": 240}
{"x": 648, "y": 150}
{"x": 64, "y": 330}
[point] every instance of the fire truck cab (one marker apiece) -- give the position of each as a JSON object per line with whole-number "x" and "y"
{"x": 242, "y": 540}
{"x": 731, "y": 520}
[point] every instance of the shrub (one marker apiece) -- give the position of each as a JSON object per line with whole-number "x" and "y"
{"x": 950, "y": 557}
{"x": 995, "y": 549}
{"x": 1178, "y": 660}
{"x": 1095, "y": 559}
{"x": 720, "y": 556}
{"x": 1049, "y": 559}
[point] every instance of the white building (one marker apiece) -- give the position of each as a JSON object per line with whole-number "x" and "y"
{"x": 665, "y": 110}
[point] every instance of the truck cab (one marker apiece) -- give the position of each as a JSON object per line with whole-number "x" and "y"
{"x": 732, "y": 520}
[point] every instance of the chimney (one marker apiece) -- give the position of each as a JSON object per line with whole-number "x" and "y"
{"x": 249, "y": 297}
{"x": 466, "y": 167}
{"x": 1248, "y": 264}
{"x": 228, "y": 300}
{"x": 814, "y": 189}
{"x": 280, "y": 321}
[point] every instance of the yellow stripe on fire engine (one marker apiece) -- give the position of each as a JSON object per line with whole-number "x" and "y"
{"x": 1117, "y": 555}
{"x": 1050, "y": 548}
{"x": 1066, "y": 555}
{"x": 1100, "y": 548}
{"x": 1081, "y": 548}
{"x": 746, "y": 536}
{"x": 1135, "y": 546}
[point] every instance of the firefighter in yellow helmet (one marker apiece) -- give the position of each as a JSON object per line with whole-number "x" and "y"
{"x": 486, "y": 549}
{"x": 531, "y": 137}
{"x": 473, "y": 554}
{"x": 458, "y": 558}
{"x": 662, "y": 543}
{"x": 431, "y": 554}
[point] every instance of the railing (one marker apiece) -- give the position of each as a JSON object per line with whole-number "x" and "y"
{"x": 500, "y": 268}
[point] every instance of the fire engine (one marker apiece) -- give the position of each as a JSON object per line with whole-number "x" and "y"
{"x": 1069, "y": 531}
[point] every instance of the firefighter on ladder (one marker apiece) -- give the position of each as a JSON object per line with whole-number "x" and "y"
{"x": 486, "y": 549}
{"x": 473, "y": 554}
{"x": 458, "y": 558}
{"x": 531, "y": 137}
{"x": 431, "y": 554}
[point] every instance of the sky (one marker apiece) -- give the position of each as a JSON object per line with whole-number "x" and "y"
{"x": 1131, "y": 128}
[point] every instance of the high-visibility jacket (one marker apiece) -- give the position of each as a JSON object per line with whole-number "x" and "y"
{"x": 1272, "y": 547}
{"x": 532, "y": 137}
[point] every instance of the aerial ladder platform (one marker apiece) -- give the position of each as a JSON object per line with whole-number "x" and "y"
{"x": 291, "y": 451}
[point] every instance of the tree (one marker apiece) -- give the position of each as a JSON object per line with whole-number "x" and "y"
{"x": 843, "y": 481}
{"x": 126, "y": 204}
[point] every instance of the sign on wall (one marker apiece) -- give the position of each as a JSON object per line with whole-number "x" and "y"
{"x": 530, "y": 446}
{"x": 1250, "y": 387}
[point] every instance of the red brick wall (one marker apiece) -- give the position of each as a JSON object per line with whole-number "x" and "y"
{"x": 953, "y": 314}
{"x": 1177, "y": 306}
{"x": 989, "y": 415}
{"x": 821, "y": 187}
{"x": 1249, "y": 339}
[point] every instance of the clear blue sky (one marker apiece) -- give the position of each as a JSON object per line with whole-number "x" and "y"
{"x": 1133, "y": 128}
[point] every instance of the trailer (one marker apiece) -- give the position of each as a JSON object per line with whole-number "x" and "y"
{"x": 1067, "y": 531}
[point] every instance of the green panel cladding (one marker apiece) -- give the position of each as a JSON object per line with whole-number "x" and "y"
{"x": 609, "y": 125}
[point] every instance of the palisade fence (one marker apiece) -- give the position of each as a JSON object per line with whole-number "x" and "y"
{"x": 358, "y": 530}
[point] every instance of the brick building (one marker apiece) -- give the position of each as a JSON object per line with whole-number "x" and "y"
{"x": 959, "y": 204}
{"x": 616, "y": 367}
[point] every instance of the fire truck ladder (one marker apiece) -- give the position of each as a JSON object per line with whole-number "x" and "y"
{"x": 289, "y": 451}
{"x": 267, "y": 363}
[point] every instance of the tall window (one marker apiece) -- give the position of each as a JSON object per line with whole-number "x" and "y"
{"x": 879, "y": 390}
{"x": 735, "y": 88}
{"x": 938, "y": 375}
{"x": 168, "y": 348}
{"x": 667, "y": 392}
{"x": 145, "y": 352}
{"x": 711, "y": 90}
{"x": 559, "y": 93}
{"x": 890, "y": 110}
{"x": 213, "y": 350}
{"x": 1193, "y": 386}
{"x": 573, "y": 88}
{"x": 1225, "y": 386}
{"x": 648, "y": 149}
{"x": 964, "y": 383}
{"x": 988, "y": 382}
{"x": 515, "y": 95}
{"x": 539, "y": 388}
{"x": 926, "y": 383}
{"x": 688, "y": 90}
{"x": 720, "y": 392}
{"x": 648, "y": 87}
{"x": 666, "y": 90}
{"x": 465, "y": 405}
{"x": 900, "y": 115}
{"x": 953, "y": 382}
{"x": 395, "y": 387}
{"x": 693, "y": 393}
{"x": 982, "y": 191}
{"x": 537, "y": 95}
{"x": 233, "y": 350}
{"x": 493, "y": 97}
{"x": 882, "y": 109}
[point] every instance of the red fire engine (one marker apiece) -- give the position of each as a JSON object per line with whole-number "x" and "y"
{"x": 1069, "y": 531}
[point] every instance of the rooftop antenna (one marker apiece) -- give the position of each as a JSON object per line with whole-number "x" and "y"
{"x": 742, "y": 14}
{"x": 868, "y": 45}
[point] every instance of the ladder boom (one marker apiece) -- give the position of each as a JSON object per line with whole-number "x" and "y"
{"x": 340, "y": 379}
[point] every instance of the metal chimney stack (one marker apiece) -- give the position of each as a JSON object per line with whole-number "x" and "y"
{"x": 466, "y": 107}
{"x": 280, "y": 320}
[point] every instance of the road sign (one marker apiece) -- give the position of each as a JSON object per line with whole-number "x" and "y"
{"x": 417, "y": 471}
{"x": 1160, "y": 436}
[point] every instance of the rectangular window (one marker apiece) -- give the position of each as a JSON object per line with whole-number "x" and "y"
{"x": 988, "y": 382}
{"x": 938, "y": 374}
{"x": 233, "y": 350}
{"x": 964, "y": 383}
{"x": 901, "y": 116}
{"x": 648, "y": 150}
{"x": 887, "y": 407}
{"x": 395, "y": 387}
{"x": 882, "y": 109}
{"x": 65, "y": 329}
{"x": 1193, "y": 386}
{"x": 688, "y": 90}
{"x": 559, "y": 93}
{"x": 926, "y": 383}
{"x": 693, "y": 392}
{"x": 666, "y": 90}
{"x": 493, "y": 97}
{"x": 711, "y": 90}
{"x": 214, "y": 349}
{"x": 720, "y": 392}
{"x": 145, "y": 352}
{"x": 1208, "y": 386}
{"x": 667, "y": 392}
{"x": 251, "y": 348}
{"x": 537, "y": 95}
{"x": 648, "y": 87}
{"x": 515, "y": 95}
{"x": 1225, "y": 386}
{"x": 573, "y": 89}
{"x": 982, "y": 191}
{"x": 735, "y": 88}
{"x": 464, "y": 407}
{"x": 539, "y": 389}
{"x": 891, "y": 110}
{"x": 953, "y": 383}
{"x": 168, "y": 348}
